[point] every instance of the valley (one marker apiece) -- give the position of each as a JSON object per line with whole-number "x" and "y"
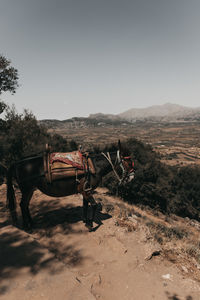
{"x": 178, "y": 143}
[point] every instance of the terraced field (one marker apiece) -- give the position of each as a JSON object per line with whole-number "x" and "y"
{"x": 178, "y": 143}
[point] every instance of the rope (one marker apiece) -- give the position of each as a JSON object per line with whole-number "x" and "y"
{"x": 110, "y": 161}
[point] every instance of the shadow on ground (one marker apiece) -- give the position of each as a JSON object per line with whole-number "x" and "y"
{"x": 19, "y": 251}
{"x": 46, "y": 245}
{"x": 49, "y": 215}
{"x": 176, "y": 297}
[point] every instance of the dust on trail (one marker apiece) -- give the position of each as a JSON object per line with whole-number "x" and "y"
{"x": 60, "y": 259}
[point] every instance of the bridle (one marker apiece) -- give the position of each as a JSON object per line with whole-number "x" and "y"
{"x": 119, "y": 161}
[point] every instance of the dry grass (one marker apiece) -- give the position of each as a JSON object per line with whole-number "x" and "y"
{"x": 127, "y": 223}
{"x": 194, "y": 251}
{"x": 178, "y": 237}
{"x": 167, "y": 232}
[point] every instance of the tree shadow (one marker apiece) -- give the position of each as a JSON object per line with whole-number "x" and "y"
{"x": 46, "y": 248}
{"x": 176, "y": 297}
{"x": 21, "y": 252}
{"x": 18, "y": 251}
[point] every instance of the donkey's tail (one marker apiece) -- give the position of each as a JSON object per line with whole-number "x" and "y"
{"x": 11, "y": 200}
{"x": 3, "y": 171}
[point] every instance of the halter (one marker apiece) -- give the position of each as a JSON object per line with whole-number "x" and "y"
{"x": 119, "y": 161}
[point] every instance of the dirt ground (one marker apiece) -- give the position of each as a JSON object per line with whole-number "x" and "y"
{"x": 119, "y": 260}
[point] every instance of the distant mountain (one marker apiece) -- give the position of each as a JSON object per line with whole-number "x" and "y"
{"x": 101, "y": 116}
{"x": 166, "y": 112}
{"x": 99, "y": 120}
{"x": 157, "y": 113}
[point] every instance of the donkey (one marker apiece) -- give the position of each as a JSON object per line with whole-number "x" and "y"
{"x": 29, "y": 174}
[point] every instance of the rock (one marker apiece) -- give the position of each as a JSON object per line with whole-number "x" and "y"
{"x": 154, "y": 253}
{"x": 167, "y": 276}
{"x": 184, "y": 269}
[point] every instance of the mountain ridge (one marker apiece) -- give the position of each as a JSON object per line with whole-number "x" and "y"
{"x": 167, "y": 112}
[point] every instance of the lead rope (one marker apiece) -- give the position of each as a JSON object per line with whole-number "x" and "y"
{"x": 110, "y": 161}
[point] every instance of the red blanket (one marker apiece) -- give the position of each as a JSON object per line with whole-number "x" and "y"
{"x": 71, "y": 158}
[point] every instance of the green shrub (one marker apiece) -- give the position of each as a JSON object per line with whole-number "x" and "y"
{"x": 22, "y": 136}
{"x": 159, "y": 186}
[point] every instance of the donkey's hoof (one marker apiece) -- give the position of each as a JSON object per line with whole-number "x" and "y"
{"x": 28, "y": 228}
{"x": 14, "y": 221}
{"x": 89, "y": 226}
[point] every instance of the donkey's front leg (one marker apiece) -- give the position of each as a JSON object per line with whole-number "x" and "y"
{"x": 88, "y": 219}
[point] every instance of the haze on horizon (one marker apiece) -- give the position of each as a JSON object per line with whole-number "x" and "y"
{"x": 79, "y": 57}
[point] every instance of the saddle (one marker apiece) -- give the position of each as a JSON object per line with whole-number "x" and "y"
{"x": 59, "y": 165}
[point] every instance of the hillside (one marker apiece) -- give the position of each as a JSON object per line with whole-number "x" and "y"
{"x": 98, "y": 120}
{"x": 133, "y": 255}
{"x": 166, "y": 112}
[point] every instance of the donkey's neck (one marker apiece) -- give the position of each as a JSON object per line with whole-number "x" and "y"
{"x": 102, "y": 165}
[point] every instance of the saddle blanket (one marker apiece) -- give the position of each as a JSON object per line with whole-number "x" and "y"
{"x": 59, "y": 165}
{"x": 74, "y": 159}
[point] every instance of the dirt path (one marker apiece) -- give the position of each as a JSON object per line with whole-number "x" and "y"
{"x": 62, "y": 260}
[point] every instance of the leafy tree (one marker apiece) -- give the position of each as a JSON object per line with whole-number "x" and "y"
{"x": 20, "y": 134}
{"x": 2, "y": 106}
{"x": 8, "y": 76}
{"x": 24, "y": 136}
{"x": 8, "y": 82}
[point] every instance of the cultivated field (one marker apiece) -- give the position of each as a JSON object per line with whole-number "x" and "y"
{"x": 178, "y": 143}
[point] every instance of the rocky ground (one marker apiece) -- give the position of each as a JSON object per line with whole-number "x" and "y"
{"x": 135, "y": 255}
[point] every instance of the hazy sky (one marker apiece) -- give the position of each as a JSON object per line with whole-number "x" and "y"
{"x": 77, "y": 57}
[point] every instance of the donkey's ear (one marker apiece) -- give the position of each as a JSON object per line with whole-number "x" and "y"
{"x": 119, "y": 146}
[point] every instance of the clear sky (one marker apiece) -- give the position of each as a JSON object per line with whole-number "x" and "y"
{"x": 77, "y": 57}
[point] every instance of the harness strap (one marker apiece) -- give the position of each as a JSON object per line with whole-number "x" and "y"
{"x": 121, "y": 165}
{"x": 110, "y": 161}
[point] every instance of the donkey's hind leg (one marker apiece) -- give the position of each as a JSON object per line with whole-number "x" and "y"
{"x": 85, "y": 210}
{"x": 24, "y": 204}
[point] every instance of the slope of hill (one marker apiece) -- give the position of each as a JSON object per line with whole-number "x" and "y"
{"x": 156, "y": 113}
{"x": 166, "y": 112}
{"x": 131, "y": 256}
{"x": 98, "y": 120}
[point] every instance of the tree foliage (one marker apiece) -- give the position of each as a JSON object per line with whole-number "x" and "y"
{"x": 8, "y": 76}
{"x": 159, "y": 186}
{"x": 23, "y": 136}
{"x": 8, "y": 82}
{"x": 20, "y": 134}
